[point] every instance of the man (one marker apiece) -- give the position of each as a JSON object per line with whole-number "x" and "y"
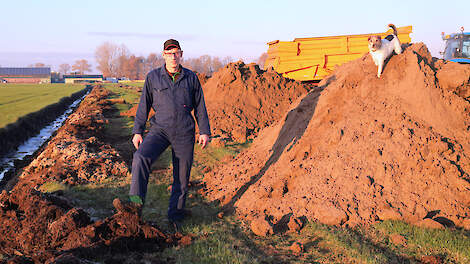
{"x": 173, "y": 92}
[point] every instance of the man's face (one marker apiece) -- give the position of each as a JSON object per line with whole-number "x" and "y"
{"x": 172, "y": 57}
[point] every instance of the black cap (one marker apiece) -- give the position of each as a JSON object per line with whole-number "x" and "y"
{"x": 171, "y": 44}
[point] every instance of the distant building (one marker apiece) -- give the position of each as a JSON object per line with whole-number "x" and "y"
{"x": 56, "y": 78}
{"x": 83, "y": 78}
{"x": 25, "y": 75}
{"x": 111, "y": 80}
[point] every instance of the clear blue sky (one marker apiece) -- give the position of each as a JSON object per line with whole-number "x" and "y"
{"x": 55, "y": 32}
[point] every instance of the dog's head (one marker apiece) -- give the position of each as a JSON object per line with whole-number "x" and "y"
{"x": 375, "y": 42}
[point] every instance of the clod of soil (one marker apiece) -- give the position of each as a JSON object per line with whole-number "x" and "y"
{"x": 358, "y": 149}
{"x": 297, "y": 247}
{"x": 41, "y": 227}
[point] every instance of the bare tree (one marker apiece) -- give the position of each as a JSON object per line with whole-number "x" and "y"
{"x": 206, "y": 64}
{"x": 153, "y": 61}
{"x": 111, "y": 59}
{"x": 106, "y": 55}
{"x": 64, "y": 68}
{"x": 121, "y": 62}
{"x": 216, "y": 64}
{"x": 226, "y": 60}
{"x": 133, "y": 67}
{"x": 81, "y": 66}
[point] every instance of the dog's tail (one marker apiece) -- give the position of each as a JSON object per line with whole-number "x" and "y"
{"x": 394, "y": 29}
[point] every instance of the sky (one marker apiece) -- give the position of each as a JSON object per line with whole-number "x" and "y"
{"x": 61, "y": 31}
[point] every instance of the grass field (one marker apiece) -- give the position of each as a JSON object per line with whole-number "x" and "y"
{"x": 17, "y": 100}
{"x": 229, "y": 240}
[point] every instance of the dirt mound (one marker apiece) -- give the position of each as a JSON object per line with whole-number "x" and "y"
{"x": 76, "y": 155}
{"x": 360, "y": 149}
{"x": 203, "y": 78}
{"x": 242, "y": 99}
{"x": 45, "y": 227}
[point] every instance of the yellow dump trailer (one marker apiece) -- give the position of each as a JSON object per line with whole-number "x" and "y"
{"x": 307, "y": 59}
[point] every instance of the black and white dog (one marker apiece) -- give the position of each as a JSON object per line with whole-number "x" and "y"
{"x": 380, "y": 49}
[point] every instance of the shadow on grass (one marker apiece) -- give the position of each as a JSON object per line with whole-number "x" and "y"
{"x": 359, "y": 242}
{"x": 374, "y": 248}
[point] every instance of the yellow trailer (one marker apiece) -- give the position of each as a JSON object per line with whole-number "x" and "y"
{"x": 307, "y": 59}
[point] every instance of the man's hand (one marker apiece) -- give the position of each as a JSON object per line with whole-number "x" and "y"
{"x": 136, "y": 140}
{"x": 203, "y": 140}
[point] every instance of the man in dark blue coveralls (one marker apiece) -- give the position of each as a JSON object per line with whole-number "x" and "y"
{"x": 173, "y": 92}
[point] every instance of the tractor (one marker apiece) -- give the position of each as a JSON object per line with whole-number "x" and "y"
{"x": 457, "y": 47}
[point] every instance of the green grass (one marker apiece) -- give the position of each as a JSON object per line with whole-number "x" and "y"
{"x": 125, "y": 91}
{"x": 17, "y": 100}
{"x": 52, "y": 186}
{"x": 133, "y": 83}
{"x": 229, "y": 240}
{"x": 451, "y": 244}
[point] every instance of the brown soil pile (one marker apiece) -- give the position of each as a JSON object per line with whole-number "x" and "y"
{"x": 77, "y": 155}
{"x": 203, "y": 78}
{"x": 45, "y": 228}
{"x": 360, "y": 149}
{"x": 242, "y": 99}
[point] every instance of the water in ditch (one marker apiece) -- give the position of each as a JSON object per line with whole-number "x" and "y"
{"x": 7, "y": 163}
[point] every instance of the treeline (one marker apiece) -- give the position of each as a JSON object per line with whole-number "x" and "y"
{"x": 206, "y": 64}
{"x": 80, "y": 67}
{"x": 117, "y": 61}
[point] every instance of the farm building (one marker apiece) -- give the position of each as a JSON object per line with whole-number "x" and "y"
{"x": 81, "y": 78}
{"x": 25, "y": 75}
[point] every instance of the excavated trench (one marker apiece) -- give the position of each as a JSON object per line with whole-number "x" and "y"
{"x": 40, "y": 227}
{"x": 19, "y": 142}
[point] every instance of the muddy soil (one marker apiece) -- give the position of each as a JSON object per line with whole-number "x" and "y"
{"x": 360, "y": 149}
{"x": 45, "y": 228}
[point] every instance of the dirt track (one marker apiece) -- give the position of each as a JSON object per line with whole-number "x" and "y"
{"x": 359, "y": 149}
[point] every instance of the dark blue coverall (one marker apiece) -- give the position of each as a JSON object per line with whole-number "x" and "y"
{"x": 172, "y": 125}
